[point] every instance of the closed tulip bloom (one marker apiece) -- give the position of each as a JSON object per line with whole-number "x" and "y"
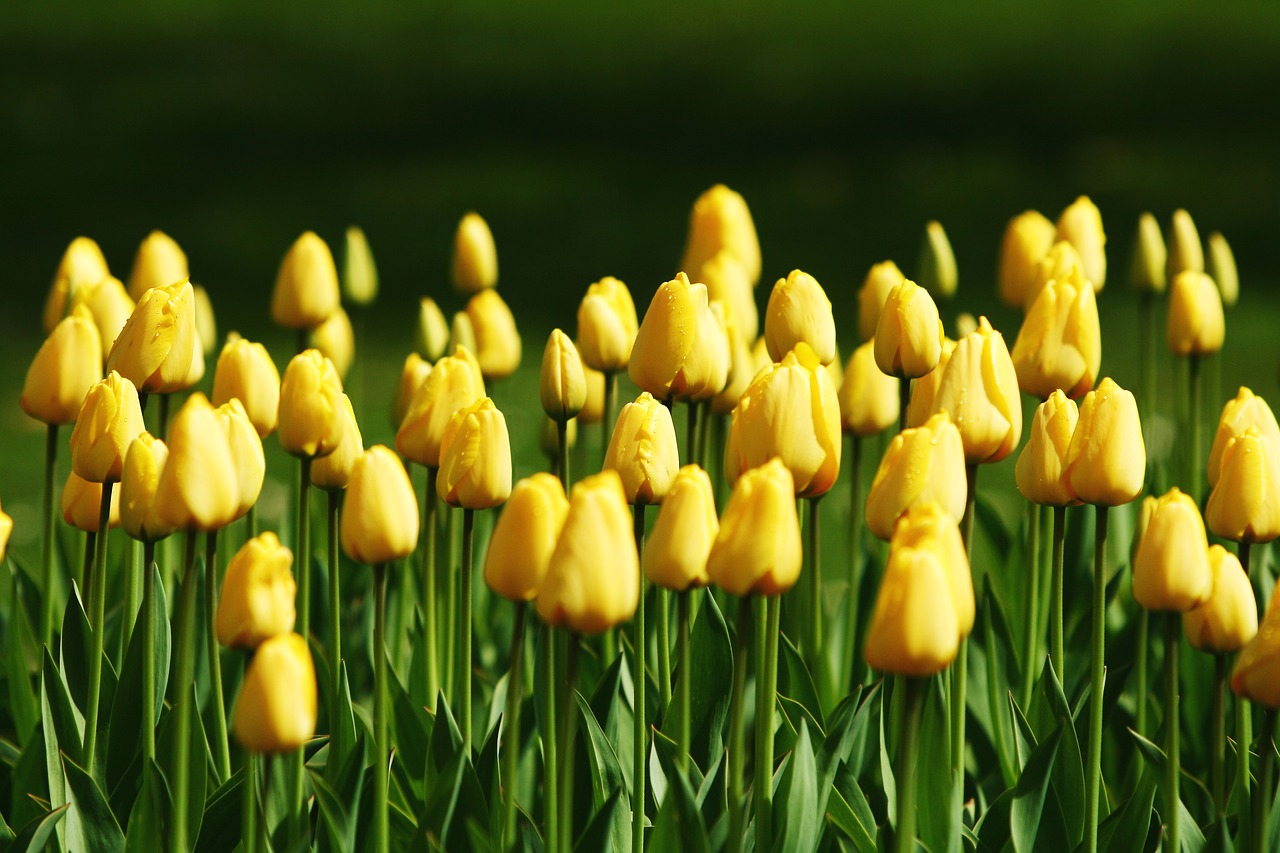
{"x": 336, "y": 340}
{"x": 966, "y": 324}
{"x": 667, "y": 360}
{"x": 475, "y": 458}
{"x": 1245, "y": 502}
{"x": 1149, "y": 256}
{"x": 1226, "y": 621}
{"x": 310, "y": 401}
{"x": 757, "y": 549}
{"x": 743, "y": 367}
{"x": 937, "y": 262}
{"x": 431, "y": 337}
{"x": 1027, "y": 238}
{"x": 200, "y": 485}
{"x": 799, "y": 310}
{"x": 82, "y": 503}
{"x": 6, "y": 530}
{"x": 593, "y": 409}
{"x": 1060, "y": 344}
{"x": 258, "y": 591}
{"x": 306, "y": 291}
{"x": 110, "y": 418}
{"x": 451, "y": 385}
{"x": 67, "y": 365}
{"x": 159, "y": 262}
{"x": 562, "y": 383}
{"x": 726, "y": 281}
{"x": 607, "y": 326}
{"x": 1061, "y": 262}
{"x": 497, "y": 340}
{"x": 643, "y": 450}
{"x": 246, "y": 372}
{"x": 276, "y": 711}
{"x": 1222, "y": 269}
{"x": 922, "y": 465}
{"x": 414, "y": 373}
{"x": 928, "y": 526}
{"x": 1243, "y": 411}
{"x": 475, "y": 257}
{"x": 1044, "y": 457}
{"x": 525, "y": 536}
{"x": 206, "y": 321}
{"x": 980, "y": 390}
{"x": 675, "y": 557}
{"x": 1185, "y": 252}
{"x": 246, "y": 453}
{"x": 461, "y": 333}
{"x": 868, "y": 396}
{"x": 359, "y": 272}
{"x": 720, "y": 221}
{"x": 82, "y": 263}
{"x": 1256, "y": 674}
{"x": 380, "y": 515}
{"x": 156, "y": 345}
{"x": 909, "y": 334}
{"x": 712, "y": 345}
{"x": 593, "y": 578}
{"x": 110, "y": 305}
{"x": 1081, "y": 225}
{"x": 1171, "y": 569}
{"x": 139, "y": 485}
{"x": 196, "y": 371}
{"x": 1195, "y": 325}
{"x": 333, "y": 472}
{"x": 876, "y": 287}
{"x": 1107, "y": 459}
{"x": 925, "y": 388}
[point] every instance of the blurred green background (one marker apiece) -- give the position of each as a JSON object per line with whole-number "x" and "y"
{"x": 583, "y": 131}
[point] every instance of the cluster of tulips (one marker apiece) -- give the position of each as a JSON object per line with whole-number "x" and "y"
{"x": 766, "y": 410}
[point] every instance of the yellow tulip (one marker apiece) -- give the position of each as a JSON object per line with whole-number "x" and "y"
{"x": 336, "y": 340}
{"x": 200, "y": 485}
{"x": 159, "y": 262}
{"x": 1080, "y": 224}
{"x": 310, "y": 402}
{"x": 966, "y": 324}
{"x": 475, "y": 458}
{"x": 881, "y": 279}
{"x": 1060, "y": 344}
{"x": 928, "y": 526}
{"x": 414, "y": 373}
{"x": 1226, "y": 621}
{"x": 110, "y": 418}
{"x": 276, "y": 711}
{"x": 333, "y": 472}
{"x": 206, "y": 322}
{"x": 727, "y": 282}
{"x": 431, "y": 337}
{"x": 380, "y": 515}
{"x": 139, "y": 484}
{"x": 607, "y": 326}
{"x": 461, "y": 333}
{"x": 67, "y": 365}
{"x": 359, "y": 272}
{"x": 937, "y": 262}
{"x": 497, "y": 341}
{"x": 525, "y": 536}
{"x": 789, "y": 411}
{"x": 110, "y": 305}
{"x": 643, "y": 450}
{"x": 593, "y": 577}
{"x": 1195, "y": 325}
{"x": 757, "y": 549}
{"x": 475, "y": 257}
{"x": 909, "y": 334}
{"x": 1256, "y": 674}
{"x": 155, "y": 348}
{"x": 1244, "y": 411}
{"x": 720, "y": 221}
{"x": 1107, "y": 459}
{"x": 677, "y": 348}
{"x": 743, "y": 365}
{"x": 1222, "y": 269}
{"x": 246, "y": 453}
{"x": 1027, "y": 238}
{"x": 869, "y": 398}
{"x": 799, "y": 311}
{"x": 1171, "y": 569}
{"x": 1185, "y": 252}
{"x": 1061, "y": 262}
{"x": 258, "y": 591}
{"x": 1245, "y": 502}
{"x": 1044, "y": 457}
{"x": 246, "y": 372}
{"x": 1149, "y": 257}
{"x": 711, "y": 353}
{"x": 451, "y": 385}
{"x": 306, "y": 291}
{"x": 82, "y": 504}
{"x": 6, "y": 530}
{"x": 196, "y": 371}
{"x": 676, "y": 554}
{"x": 562, "y": 384}
{"x": 82, "y": 263}
{"x": 593, "y": 409}
{"x": 980, "y": 390}
{"x": 923, "y": 465}
{"x": 925, "y": 388}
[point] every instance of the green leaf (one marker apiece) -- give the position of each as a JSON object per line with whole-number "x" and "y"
{"x": 601, "y": 833}
{"x": 22, "y": 658}
{"x": 993, "y": 674}
{"x": 1127, "y": 827}
{"x": 797, "y": 800}
{"x": 198, "y": 760}
{"x": 96, "y": 828}
{"x": 711, "y": 663}
{"x": 1028, "y": 796}
{"x": 442, "y": 800}
{"x": 124, "y": 742}
{"x": 60, "y": 722}
{"x": 409, "y": 734}
{"x": 147, "y": 820}
{"x": 73, "y": 650}
{"x": 796, "y": 683}
{"x": 936, "y": 803}
{"x": 224, "y": 808}
{"x": 29, "y": 781}
{"x": 343, "y": 739}
{"x": 606, "y": 773}
{"x": 34, "y": 837}
{"x": 1049, "y": 708}
{"x": 679, "y": 825}
{"x": 848, "y": 809}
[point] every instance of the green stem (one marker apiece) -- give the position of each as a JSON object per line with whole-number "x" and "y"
{"x": 249, "y": 807}
{"x": 550, "y": 757}
{"x": 568, "y": 717}
{"x": 381, "y": 817}
{"x": 691, "y": 437}
{"x": 562, "y": 452}
{"x": 335, "y": 611}
{"x": 855, "y": 564}
{"x": 50, "y": 521}
{"x": 766, "y": 698}
{"x": 148, "y": 709}
{"x": 1262, "y": 802}
{"x": 640, "y": 728}
{"x": 1056, "y": 647}
{"x": 1030, "y": 639}
{"x": 904, "y": 401}
{"x": 164, "y": 416}
{"x": 88, "y": 549}
{"x": 1173, "y": 758}
{"x": 464, "y": 628}
{"x": 429, "y": 583}
{"x": 1244, "y": 740}
{"x": 131, "y": 595}
{"x": 736, "y": 750}
{"x": 1218, "y": 747}
{"x": 1196, "y": 464}
{"x": 960, "y": 669}
{"x": 704, "y": 435}
{"x": 814, "y": 650}
{"x": 664, "y": 647}
{"x": 97, "y": 627}
{"x": 184, "y": 673}
{"x": 904, "y": 840}
{"x": 251, "y": 523}
{"x": 683, "y": 676}
{"x": 716, "y": 458}
{"x": 451, "y": 600}
{"x": 1093, "y": 765}
{"x": 511, "y": 729}
{"x": 1140, "y": 671}
{"x": 304, "y": 548}
{"x": 221, "y": 750}
{"x": 606, "y": 416}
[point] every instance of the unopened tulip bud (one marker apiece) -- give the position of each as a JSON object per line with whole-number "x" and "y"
{"x": 562, "y": 385}
{"x": 727, "y": 282}
{"x": 593, "y": 409}
{"x": 1244, "y": 505}
{"x": 414, "y": 373}
{"x": 549, "y": 437}
{"x": 258, "y": 591}
{"x": 336, "y": 340}
{"x": 643, "y": 450}
{"x": 607, "y": 326}
{"x": 246, "y": 372}
{"x": 306, "y": 291}
{"x": 1107, "y": 459}
{"x": 6, "y": 530}
{"x": 139, "y": 485}
{"x": 593, "y": 577}
{"x": 110, "y": 305}
{"x": 1244, "y": 411}
{"x": 980, "y": 390}
{"x": 196, "y": 371}
{"x": 1081, "y": 225}
{"x": 667, "y": 359}
{"x": 1185, "y": 252}
{"x": 462, "y": 334}
{"x": 1060, "y": 343}
{"x": 310, "y": 400}
{"x": 1171, "y": 569}
{"x": 1043, "y": 458}
{"x": 206, "y": 322}
{"x": 156, "y": 345}
{"x": 200, "y": 485}
{"x": 937, "y": 264}
{"x": 82, "y": 263}
{"x": 525, "y": 536}
{"x": 82, "y": 504}
{"x": 1195, "y": 325}
{"x": 475, "y": 458}
{"x": 742, "y": 368}
{"x": 675, "y": 556}
{"x": 909, "y": 335}
{"x": 380, "y": 515}
{"x": 1149, "y": 257}
{"x": 359, "y": 272}
{"x": 869, "y": 397}
{"x": 720, "y": 221}
{"x": 757, "y": 549}
{"x": 333, "y": 472}
{"x": 1027, "y": 238}
{"x": 712, "y": 354}
{"x": 1226, "y": 621}
{"x": 925, "y": 388}
{"x": 497, "y": 340}
{"x": 110, "y": 418}
{"x": 246, "y": 453}
{"x": 451, "y": 385}
{"x": 1256, "y": 674}
{"x": 876, "y": 287}
{"x": 1222, "y": 269}
{"x": 475, "y": 257}
{"x": 923, "y": 465}
{"x": 966, "y": 324}
{"x": 159, "y": 262}
{"x": 67, "y": 365}
{"x": 928, "y": 526}
{"x": 276, "y": 711}
{"x": 431, "y": 337}
{"x": 799, "y": 310}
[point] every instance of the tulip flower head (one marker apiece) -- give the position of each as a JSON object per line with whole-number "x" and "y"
{"x": 562, "y": 385}
{"x": 451, "y": 385}
{"x": 155, "y": 348}
{"x": 1244, "y": 411}
{"x": 1244, "y": 505}
{"x": 258, "y": 591}
{"x": 923, "y": 465}
{"x": 82, "y": 263}
{"x": 868, "y": 396}
{"x": 1171, "y": 569}
{"x": 1149, "y": 257}
{"x": 200, "y": 485}
{"x": 593, "y": 409}
{"x": 380, "y": 515}
{"x": 937, "y": 262}
{"x": 757, "y": 548}
{"x": 607, "y": 326}
{"x": 1107, "y": 459}
{"x": 310, "y": 402}
{"x": 1228, "y": 619}
{"x": 246, "y": 372}
{"x": 1195, "y": 325}
{"x": 110, "y": 418}
{"x": 799, "y": 311}
{"x": 727, "y": 282}
{"x": 475, "y": 458}
{"x": 1060, "y": 263}
{"x": 276, "y": 711}
{"x": 1185, "y": 252}
{"x": 1081, "y": 225}
{"x": 82, "y": 504}
{"x": 1256, "y": 674}
{"x": 1027, "y": 238}
{"x": 206, "y": 322}
{"x": 159, "y": 262}
{"x": 525, "y": 537}
{"x": 743, "y": 365}
{"x": 414, "y": 373}
{"x": 925, "y": 388}
{"x": 336, "y": 340}
{"x": 461, "y": 333}
{"x": 676, "y": 354}
{"x": 979, "y": 388}
{"x": 643, "y": 450}
{"x": 359, "y": 272}
{"x": 67, "y": 365}
{"x": 881, "y": 279}
{"x": 909, "y": 333}
{"x": 333, "y": 472}
{"x": 1044, "y": 457}
{"x": 497, "y": 341}
{"x": 1222, "y": 269}
{"x": 1060, "y": 344}
{"x": 139, "y": 485}
{"x": 6, "y": 530}
{"x": 720, "y": 221}
{"x": 110, "y": 305}
{"x": 246, "y": 453}
{"x": 306, "y": 291}
{"x": 675, "y": 556}
{"x": 475, "y": 257}
{"x": 431, "y": 337}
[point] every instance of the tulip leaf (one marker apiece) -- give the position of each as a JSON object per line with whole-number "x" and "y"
{"x": 1049, "y": 709}
{"x": 96, "y": 828}
{"x": 22, "y": 657}
{"x": 679, "y": 825}
{"x": 796, "y": 802}
{"x": 936, "y": 803}
{"x": 611, "y": 705}
{"x": 796, "y": 683}
{"x": 34, "y": 837}
{"x": 711, "y": 663}
{"x": 835, "y": 748}
{"x": 29, "y": 781}
{"x": 986, "y": 673}
{"x": 1029, "y": 794}
{"x": 607, "y": 780}
{"x": 63, "y": 730}
{"x": 336, "y": 824}
{"x": 601, "y": 834}
{"x": 198, "y": 760}
{"x": 888, "y": 783}
{"x": 442, "y": 800}
{"x": 73, "y": 649}
{"x": 124, "y": 742}
{"x": 224, "y": 808}
{"x": 848, "y": 810}
{"x": 409, "y": 734}
{"x": 146, "y": 830}
{"x": 1133, "y": 824}
{"x": 446, "y": 738}
{"x": 343, "y": 738}
{"x": 993, "y": 827}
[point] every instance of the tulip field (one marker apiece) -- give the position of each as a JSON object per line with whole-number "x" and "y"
{"x": 730, "y": 561}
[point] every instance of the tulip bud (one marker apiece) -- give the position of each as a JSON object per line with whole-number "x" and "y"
{"x": 593, "y": 578}
{"x": 1245, "y": 502}
{"x": 380, "y": 515}
{"x": 110, "y": 418}
{"x": 336, "y": 340}
{"x": 1171, "y": 569}
{"x": 1195, "y": 325}
{"x": 671, "y": 356}
{"x": 720, "y": 221}
{"x": 1041, "y": 463}
{"x": 1185, "y": 251}
{"x": 67, "y": 365}
{"x": 980, "y": 390}
{"x": 451, "y": 385}
{"x": 110, "y": 305}
{"x": 966, "y": 324}
{"x": 727, "y": 282}
{"x": 607, "y": 326}
{"x": 909, "y": 335}
{"x": 461, "y": 333}
{"x": 712, "y": 349}
{"x": 475, "y": 257}
{"x": 196, "y": 371}
{"x": 156, "y": 345}
{"x": 1060, "y": 263}
{"x": 309, "y": 404}
{"x": 1244, "y": 411}
{"x": 643, "y": 450}
{"x": 1256, "y": 674}
{"x": 876, "y": 287}
{"x": 246, "y": 453}
{"x": 1107, "y": 459}
{"x": 1060, "y": 344}
{"x": 1081, "y": 225}
{"x": 276, "y": 711}
{"x": 412, "y": 376}
{"x": 359, "y": 272}
{"x": 593, "y": 409}
{"x": 257, "y": 594}
{"x": 82, "y": 504}
{"x": 139, "y": 484}
{"x": 159, "y": 262}
{"x": 757, "y": 549}
{"x": 206, "y": 322}
{"x": 549, "y": 437}
{"x": 1149, "y": 257}
{"x": 431, "y": 338}
{"x": 1027, "y": 238}
{"x": 937, "y": 263}
{"x": 82, "y": 263}
{"x": 6, "y": 530}
{"x": 869, "y": 398}
{"x": 497, "y": 341}
{"x": 799, "y": 310}
{"x": 675, "y": 556}
{"x": 742, "y": 364}
{"x": 1226, "y": 621}
{"x": 525, "y": 536}
{"x": 925, "y": 388}
{"x": 306, "y": 286}
{"x": 1222, "y": 269}
{"x": 562, "y": 382}
{"x": 246, "y": 372}
{"x": 923, "y": 465}
{"x": 475, "y": 458}
{"x": 200, "y": 484}
{"x": 928, "y": 526}
{"x": 333, "y": 472}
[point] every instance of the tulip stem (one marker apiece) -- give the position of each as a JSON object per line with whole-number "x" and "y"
{"x": 148, "y": 652}
{"x": 221, "y": 752}
{"x": 1056, "y": 646}
{"x": 249, "y": 842}
{"x": 1030, "y": 639}
{"x": 904, "y": 839}
{"x": 251, "y": 523}
{"x": 817, "y": 663}
{"x": 511, "y": 728}
{"x": 1140, "y": 671}
{"x": 464, "y": 629}
{"x": 904, "y": 400}
{"x": 88, "y": 549}
{"x": 428, "y": 583}
{"x": 1193, "y": 365}
{"x": 49, "y": 519}
{"x": 716, "y": 458}
{"x": 664, "y": 647}
{"x": 562, "y": 452}
{"x": 1093, "y": 765}
{"x": 164, "y": 416}
{"x": 606, "y": 416}
{"x": 335, "y": 612}
{"x": 184, "y": 673}
{"x": 1244, "y": 740}
{"x": 960, "y": 669}
{"x": 450, "y": 599}
{"x": 691, "y": 439}
{"x": 704, "y": 435}
{"x": 381, "y": 818}
{"x": 568, "y": 717}
{"x": 550, "y": 759}
{"x": 766, "y": 697}
{"x": 1262, "y": 802}
{"x": 736, "y": 756}
{"x": 640, "y": 760}
{"x": 130, "y": 597}
{"x": 855, "y": 563}
{"x": 304, "y": 549}
{"x": 1217, "y": 773}
{"x": 97, "y": 625}
{"x": 1173, "y": 759}
{"x": 683, "y": 675}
